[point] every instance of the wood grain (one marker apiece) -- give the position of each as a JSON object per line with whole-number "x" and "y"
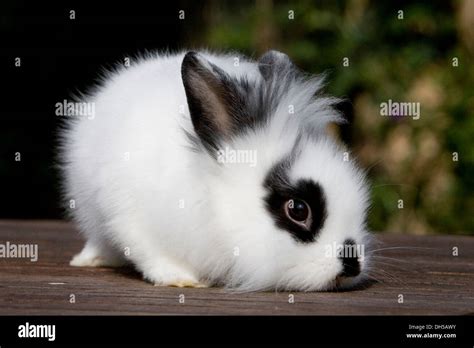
{"x": 422, "y": 269}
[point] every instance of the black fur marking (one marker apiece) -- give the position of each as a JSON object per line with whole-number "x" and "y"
{"x": 281, "y": 190}
{"x": 249, "y": 103}
{"x": 203, "y": 116}
{"x": 350, "y": 264}
{"x": 274, "y": 63}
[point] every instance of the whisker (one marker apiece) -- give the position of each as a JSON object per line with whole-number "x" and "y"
{"x": 391, "y": 277}
{"x": 380, "y": 278}
{"x": 397, "y": 266}
{"x": 401, "y": 247}
{"x": 388, "y": 258}
{"x": 373, "y": 278}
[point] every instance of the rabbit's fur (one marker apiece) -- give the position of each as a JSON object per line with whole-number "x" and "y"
{"x": 149, "y": 189}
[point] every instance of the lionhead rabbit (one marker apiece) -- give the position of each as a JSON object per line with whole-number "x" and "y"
{"x": 203, "y": 169}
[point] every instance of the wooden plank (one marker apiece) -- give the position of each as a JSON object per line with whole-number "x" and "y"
{"x": 422, "y": 269}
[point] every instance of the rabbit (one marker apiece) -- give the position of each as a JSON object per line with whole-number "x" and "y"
{"x": 204, "y": 169}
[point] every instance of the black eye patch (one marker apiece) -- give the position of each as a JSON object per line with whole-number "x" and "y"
{"x": 280, "y": 190}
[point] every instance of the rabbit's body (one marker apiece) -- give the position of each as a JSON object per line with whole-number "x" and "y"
{"x": 147, "y": 189}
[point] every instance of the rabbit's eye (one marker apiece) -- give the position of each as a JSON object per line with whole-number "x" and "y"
{"x": 299, "y": 212}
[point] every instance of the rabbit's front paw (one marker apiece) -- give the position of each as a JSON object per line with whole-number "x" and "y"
{"x": 186, "y": 283}
{"x": 168, "y": 274}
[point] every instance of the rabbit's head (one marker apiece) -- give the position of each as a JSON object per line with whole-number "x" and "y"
{"x": 288, "y": 203}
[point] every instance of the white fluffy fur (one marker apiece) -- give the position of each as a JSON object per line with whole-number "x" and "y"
{"x": 129, "y": 210}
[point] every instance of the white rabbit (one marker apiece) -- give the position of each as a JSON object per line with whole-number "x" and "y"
{"x": 203, "y": 169}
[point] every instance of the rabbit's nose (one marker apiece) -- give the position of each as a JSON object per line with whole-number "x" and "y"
{"x": 349, "y": 259}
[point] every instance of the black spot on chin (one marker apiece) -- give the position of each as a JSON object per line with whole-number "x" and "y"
{"x": 281, "y": 190}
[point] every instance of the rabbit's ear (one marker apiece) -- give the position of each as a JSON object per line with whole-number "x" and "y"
{"x": 275, "y": 63}
{"x": 211, "y": 96}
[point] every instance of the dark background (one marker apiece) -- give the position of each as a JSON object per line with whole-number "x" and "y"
{"x": 60, "y": 56}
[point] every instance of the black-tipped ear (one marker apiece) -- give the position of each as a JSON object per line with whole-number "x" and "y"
{"x": 210, "y": 94}
{"x": 274, "y": 63}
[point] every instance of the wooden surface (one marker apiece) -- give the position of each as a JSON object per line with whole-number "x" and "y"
{"x": 422, "y": 269}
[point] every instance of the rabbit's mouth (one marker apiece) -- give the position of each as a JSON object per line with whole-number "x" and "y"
{"x": 344, "y": 283}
